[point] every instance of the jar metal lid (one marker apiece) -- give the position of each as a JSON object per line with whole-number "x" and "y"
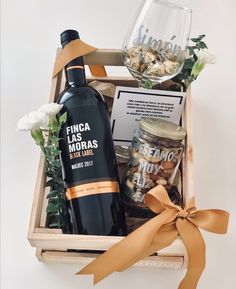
{"x": 162, "y": 128}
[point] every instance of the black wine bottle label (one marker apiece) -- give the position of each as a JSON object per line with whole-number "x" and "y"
{"x": 87, "y": 153}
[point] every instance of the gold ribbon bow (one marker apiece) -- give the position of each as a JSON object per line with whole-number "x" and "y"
{"x": 159, "y": 232}
{"x": 72, "y": 50}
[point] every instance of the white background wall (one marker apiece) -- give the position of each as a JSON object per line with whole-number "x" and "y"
{"x": 30, "y": 35}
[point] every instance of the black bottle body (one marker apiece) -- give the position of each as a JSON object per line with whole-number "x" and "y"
{"x": 89, "y": 164}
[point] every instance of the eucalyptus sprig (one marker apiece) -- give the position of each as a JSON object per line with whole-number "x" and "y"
{"x": 198, "y": 56}
{"x": 45, "y": 127}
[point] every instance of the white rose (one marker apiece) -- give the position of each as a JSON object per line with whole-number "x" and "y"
{"x": 51, "y": 109}
{"x": 205, "y": 57}
{"x": 33, "y": 121}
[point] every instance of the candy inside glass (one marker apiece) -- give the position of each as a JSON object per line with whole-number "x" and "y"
{"x": 155, "y": 47}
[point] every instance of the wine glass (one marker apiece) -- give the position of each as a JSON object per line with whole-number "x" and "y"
{"x": 155, "y": 47}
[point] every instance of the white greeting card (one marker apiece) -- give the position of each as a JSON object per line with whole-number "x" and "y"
{"x": 132, "y": 104}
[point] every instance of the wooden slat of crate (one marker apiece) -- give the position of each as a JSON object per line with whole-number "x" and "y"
{"x": 85, "y": 258}
{"x": 188, "y": 170}
{"x": 51, "y": 241}
{"x": 109, "y": 57}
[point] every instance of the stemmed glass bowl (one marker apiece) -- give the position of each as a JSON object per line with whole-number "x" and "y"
{"x": 155, "y": 47}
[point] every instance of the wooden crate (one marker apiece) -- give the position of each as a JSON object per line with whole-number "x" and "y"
{"x": 51, "y": 244}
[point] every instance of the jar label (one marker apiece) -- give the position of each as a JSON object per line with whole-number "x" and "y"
{"x": 150, "y": 165}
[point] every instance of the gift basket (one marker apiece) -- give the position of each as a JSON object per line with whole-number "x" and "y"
{"x": 110, "y": 206}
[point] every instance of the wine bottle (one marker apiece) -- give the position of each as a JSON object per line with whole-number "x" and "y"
{"x": 87, "y": 154}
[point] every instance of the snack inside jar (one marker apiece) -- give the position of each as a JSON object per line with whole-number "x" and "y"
{"x": 155, "y": 156}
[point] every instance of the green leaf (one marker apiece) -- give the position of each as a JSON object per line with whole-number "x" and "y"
{"x": 59, "y": 182}
{"x": 56, "y": 163}
{"x": 52, "y": 208}
{"x": 191, "y": 49}
{"x": 49, "y": 174}
{"x": 37, "y": 135}
{"x": 54, "y": 225}
{"x": 53, "y": 124}
{"x": 53, "y": 151}
{"x": 189, "y": 63}
{"x": 148, "y": 84}
{"x": 195, "y": 58}
{"x": 53, "y": 201}
{"x": 60, "y": 201}
{"x": 60, "y": 189}
{"x": 63, "y": 118}
{"x": 49, "y": 183}
{"x": 201, "y": 36}
{"x": 202, "y": 45}
{"x": 53, "y": 139}
{"x": 61, "y": 217}
{"x": 198, "y": 39}
{"x": 52, "y": 194}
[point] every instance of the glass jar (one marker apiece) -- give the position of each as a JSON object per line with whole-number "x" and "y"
{"x": 156, "y": 153}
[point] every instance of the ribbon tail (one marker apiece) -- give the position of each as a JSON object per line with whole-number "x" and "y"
{"x": 128, "y": 249}
{"x": 195, "y": 247}
{"x": 160, "y": 241}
